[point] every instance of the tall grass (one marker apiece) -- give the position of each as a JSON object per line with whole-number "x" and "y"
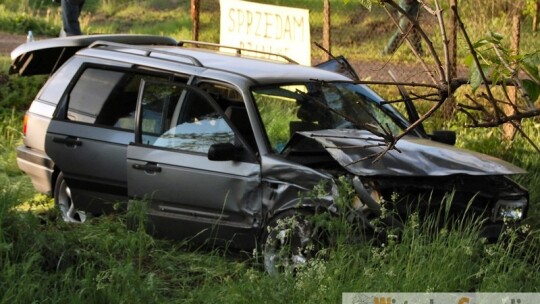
{"x": 45, "y": 260}
{"x": 518, "y": 151}
{"x": 10, "y": 134}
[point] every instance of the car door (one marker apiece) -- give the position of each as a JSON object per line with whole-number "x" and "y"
{"x": 168, "y": 166}
{"x": 88, "y": 137}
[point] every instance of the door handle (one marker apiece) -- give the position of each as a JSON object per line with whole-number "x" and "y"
{"x": 147, "y": 167}
{"x": 68, "y": 141}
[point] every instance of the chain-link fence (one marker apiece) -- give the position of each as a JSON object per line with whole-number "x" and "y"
{"x": 355, "y": 32}
{"x": 362, "y": 35}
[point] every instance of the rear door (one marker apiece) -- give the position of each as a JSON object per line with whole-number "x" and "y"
{"x": 88, "y": 136}
{"x": 168, "y": 166}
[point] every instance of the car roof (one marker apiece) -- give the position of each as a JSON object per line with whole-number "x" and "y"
{"x": 260, "y": 70}
{"x": 45, "y": 56}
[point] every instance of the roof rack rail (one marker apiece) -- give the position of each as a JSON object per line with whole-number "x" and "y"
{"x": 238, "y": 50}
{"x": 146, "y": 49}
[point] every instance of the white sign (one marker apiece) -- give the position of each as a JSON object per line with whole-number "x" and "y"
{"x": 266, "y": 28}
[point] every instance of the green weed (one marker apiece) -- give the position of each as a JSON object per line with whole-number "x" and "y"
{"x": 18, "y": 92}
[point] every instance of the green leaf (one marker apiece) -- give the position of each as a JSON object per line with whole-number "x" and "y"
{"x": 531, "y": 63}
{"x": 496, "y": 76}
{"x": 480, "y": 43}
{"x": 496, "y": 36}
{"x": 469, "y": 60}
{"x": 365, "y": 3}
{"x": 475, "y": 78}
{"x": 532, "y": 88}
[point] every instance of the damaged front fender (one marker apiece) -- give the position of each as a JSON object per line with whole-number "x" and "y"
{"x": 287, "y": 185}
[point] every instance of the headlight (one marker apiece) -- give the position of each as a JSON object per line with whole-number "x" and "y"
{"x": 510, "y": 209}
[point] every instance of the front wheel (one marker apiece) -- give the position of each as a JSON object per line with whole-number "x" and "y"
{"x": 64, "y": 202}
{"x": 290, "y": 241}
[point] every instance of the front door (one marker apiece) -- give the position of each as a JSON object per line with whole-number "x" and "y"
{"x": 168, "y": 166}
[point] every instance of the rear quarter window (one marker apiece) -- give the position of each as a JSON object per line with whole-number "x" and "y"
{"x": 55, "y": 87}
{"x": 90, "y": 93}
{"x": 107, "y": 97}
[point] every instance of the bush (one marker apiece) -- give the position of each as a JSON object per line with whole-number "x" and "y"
{"x": 18, "y": 92}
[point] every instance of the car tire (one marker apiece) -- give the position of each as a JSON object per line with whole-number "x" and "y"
{"x": 64, "y": 203}
{"x": 290, "y": 241}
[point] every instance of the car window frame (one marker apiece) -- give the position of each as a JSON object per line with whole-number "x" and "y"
{"x": 63, "y": 105}
{"x": 250, "y": 154}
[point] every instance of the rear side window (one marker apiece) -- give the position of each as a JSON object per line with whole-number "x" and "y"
{"x": 106, "y": 97}
{"x": 90, "y": 93}
{"x": 56, "y": 86}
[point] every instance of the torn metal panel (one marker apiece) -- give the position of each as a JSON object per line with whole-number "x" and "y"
{"x": 284, "y": 180}
{"x": 355, "y": 150}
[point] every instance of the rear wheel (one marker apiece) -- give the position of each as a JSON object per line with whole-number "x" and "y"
{"x": 64, "y": 202}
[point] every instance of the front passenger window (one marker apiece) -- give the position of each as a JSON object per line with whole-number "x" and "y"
{"x": 176, "y": 116}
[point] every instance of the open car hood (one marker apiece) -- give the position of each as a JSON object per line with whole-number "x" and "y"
{"x": 339, "y": 65}
{"x": 356, "y": 151}
{"x": 45, "y": 56}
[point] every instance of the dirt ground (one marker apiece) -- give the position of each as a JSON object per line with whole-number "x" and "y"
{"x": 9, "y": 41}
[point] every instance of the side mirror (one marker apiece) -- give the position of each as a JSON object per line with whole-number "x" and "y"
{"x": 224, "y": 152}
{"x": 444, "y": 136}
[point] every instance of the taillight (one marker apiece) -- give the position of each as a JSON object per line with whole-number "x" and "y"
{"x": 25, "y": 124}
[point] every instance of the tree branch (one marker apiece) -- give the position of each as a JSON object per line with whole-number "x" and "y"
{"x": 416, "y": 26}
{"x": 476, "y": 61}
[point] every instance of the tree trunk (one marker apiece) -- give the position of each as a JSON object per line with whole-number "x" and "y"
{"x": 326, "y": 28}
{"x": 509, "y": 130}
{"x": 195, "y": 12}
{"x": 449, "y": 104}
{"x": 535, "y": 17}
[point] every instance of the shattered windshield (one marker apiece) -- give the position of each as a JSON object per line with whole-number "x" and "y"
{"x": 289, "y": 108}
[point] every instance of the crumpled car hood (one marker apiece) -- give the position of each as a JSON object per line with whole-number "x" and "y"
{"x": 413, "y": 156}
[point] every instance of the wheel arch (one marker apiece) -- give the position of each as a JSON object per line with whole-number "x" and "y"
{"x": 54, "y": 179}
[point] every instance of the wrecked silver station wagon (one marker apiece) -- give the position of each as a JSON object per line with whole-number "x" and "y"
{"x": 222, "y": 145}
